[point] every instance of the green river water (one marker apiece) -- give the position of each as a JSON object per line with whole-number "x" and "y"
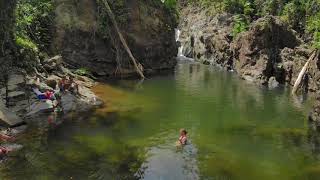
{"x": 237, "y": 130}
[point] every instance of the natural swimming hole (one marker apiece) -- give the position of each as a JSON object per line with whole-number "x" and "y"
{"x": 237, "y": 131}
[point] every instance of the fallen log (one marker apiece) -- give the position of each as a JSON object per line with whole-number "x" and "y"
{"x": 297, "y": 83}
{"x": 136, "y": 64}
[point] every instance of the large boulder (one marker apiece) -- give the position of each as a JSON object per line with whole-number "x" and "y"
{"x": 88, "y": 100}
{"x": 7, "y": 117}
{"x": 53, "y": 63}
{"x": 256, "y": 52}
{"x": 15, "y": 91}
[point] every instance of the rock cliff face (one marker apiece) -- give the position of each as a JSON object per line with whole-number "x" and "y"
{"x": 206, "y": 38}
{"x": 257, "y": 51}
{"x": 255, "y": 55}
{"x": 269, "y": 53}
{"x": 86, "y": 38}
{"x": 6, "y": 30}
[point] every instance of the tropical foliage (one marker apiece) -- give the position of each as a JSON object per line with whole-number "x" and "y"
{"x": 33, "y": 22}
{"x": 240, "y": 25}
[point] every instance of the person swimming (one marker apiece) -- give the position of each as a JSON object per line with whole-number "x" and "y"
{"x": 183, "y": 137}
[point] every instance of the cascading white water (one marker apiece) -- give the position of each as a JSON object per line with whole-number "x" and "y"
{"x": 180, "y": 49}
{"x": 177, "y": 32}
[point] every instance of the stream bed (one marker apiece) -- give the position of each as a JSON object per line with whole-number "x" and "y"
{"x": 236, "y": 130}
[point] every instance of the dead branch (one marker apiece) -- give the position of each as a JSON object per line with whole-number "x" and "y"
{"x": 313, "y": 56}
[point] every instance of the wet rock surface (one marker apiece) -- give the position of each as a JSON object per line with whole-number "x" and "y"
{"x": 9, "y": 118}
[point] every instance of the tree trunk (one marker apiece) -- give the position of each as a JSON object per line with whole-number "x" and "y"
{"x": 136, "y": 64}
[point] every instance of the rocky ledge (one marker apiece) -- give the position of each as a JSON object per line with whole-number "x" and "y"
{"x": 24, "y": 107}
{"x": 269, "y": 53}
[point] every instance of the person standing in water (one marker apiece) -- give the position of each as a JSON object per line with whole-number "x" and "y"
{"x": 183, "y": 137}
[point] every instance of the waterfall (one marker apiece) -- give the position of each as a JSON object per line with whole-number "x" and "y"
{"x": 177, "y": 32}
{"x": 180, "y": 54}
{"x": 180, "y": 49}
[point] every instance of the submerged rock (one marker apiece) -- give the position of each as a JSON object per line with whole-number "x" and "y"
{"x": 12, "y": 147}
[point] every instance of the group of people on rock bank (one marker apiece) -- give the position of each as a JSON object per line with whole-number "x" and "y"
{"x": 66, "y": 84}
{"x": 51, "y": 96}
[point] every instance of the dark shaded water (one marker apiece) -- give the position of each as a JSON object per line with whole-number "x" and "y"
{"x": 237, "y": 131}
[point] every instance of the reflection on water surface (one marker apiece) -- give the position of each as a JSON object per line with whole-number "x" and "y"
{"x": 237, "y": 130}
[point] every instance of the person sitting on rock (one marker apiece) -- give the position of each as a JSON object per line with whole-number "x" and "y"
{"x": 74, "y": 87}
{"x": 48, "y": 95}
{"x": 68, "y": 84}
{"x": 62, "y": 84}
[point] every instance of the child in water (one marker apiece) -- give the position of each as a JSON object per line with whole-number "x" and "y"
{"x": 183, "y": 137}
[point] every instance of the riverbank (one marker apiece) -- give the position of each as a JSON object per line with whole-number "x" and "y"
{"x": 23, "y": 107}
{"x": 97, "y": 41}
{"x": 268, "y": 53}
